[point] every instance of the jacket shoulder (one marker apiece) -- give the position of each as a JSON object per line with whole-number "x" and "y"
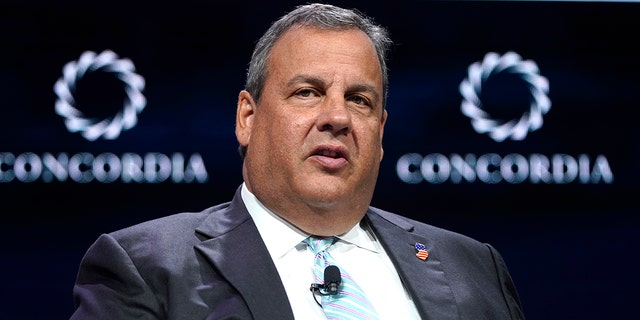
{"x": 424, "y": 229}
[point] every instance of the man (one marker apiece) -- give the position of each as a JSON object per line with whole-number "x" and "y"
{"x": 310, "y": 124}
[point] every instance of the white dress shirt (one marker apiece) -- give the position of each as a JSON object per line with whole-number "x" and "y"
{"x": 357, "y": 252}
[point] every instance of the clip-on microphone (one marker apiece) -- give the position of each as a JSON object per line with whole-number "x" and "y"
{"x": 332, "y": 280}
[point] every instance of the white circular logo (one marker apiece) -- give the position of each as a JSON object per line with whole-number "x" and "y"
{"x": 471, "y": 88}
{"x": 111, "y": 127}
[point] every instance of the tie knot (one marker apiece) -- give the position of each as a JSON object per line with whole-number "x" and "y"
{"x": 318, "y": 244}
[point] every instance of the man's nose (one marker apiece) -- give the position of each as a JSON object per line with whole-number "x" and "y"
{"x": 334, "y": 116}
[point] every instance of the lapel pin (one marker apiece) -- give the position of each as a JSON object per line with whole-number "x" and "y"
{"x": 422, "y": 253}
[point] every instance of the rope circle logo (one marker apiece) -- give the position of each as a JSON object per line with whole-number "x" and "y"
{"x": 111, "y": 127}
{"x": 471, "y": 89}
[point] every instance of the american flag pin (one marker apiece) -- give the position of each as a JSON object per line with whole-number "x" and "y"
{"x": 422, "y": 253}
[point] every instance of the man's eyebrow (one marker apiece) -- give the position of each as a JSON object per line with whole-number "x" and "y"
{"x": 306, "y": 78}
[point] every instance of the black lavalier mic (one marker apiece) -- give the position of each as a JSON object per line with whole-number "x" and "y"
{"x": 332, "y": 280}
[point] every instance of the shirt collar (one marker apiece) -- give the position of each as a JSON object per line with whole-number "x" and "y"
{"x": 280, "y": 236}
{"x": 361, "y": 236}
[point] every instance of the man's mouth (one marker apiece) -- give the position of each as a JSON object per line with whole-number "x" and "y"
{"x": 331, "y": 157}
{"x": 330, "y": 153}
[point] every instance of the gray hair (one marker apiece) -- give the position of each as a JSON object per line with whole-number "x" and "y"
{"x": 322, "y": 16}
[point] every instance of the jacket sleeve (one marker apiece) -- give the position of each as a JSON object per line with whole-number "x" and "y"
{"x": 109, "y": 286}
{"x": 509, "y": 292}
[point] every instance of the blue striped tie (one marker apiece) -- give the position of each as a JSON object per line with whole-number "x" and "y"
{"x": 350, "y": 302}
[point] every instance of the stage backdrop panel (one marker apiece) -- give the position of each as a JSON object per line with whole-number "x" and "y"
{"x": 512, "y": 122}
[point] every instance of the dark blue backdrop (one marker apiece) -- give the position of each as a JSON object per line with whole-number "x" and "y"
{"x": 571, "y": 247}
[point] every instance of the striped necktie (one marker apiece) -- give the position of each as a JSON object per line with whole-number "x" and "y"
{"x": 350, "y": 301}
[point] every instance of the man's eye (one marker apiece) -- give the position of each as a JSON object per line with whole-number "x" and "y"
{"x": 305, "y": 93}
{"x": 360, "y": 100}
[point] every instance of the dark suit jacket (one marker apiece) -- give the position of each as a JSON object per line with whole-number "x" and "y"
{"x": 214, "y": 265}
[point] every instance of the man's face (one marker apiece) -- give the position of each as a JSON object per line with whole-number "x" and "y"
{"x": 315, "y": 138}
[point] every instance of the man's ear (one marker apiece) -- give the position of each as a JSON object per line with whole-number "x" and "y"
{"x": 244, "y": 117}
{"x": 383, "y": 121}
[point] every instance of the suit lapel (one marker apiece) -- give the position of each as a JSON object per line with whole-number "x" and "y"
{"x": 236, "y": 249}
{"x": 424, "y": 279}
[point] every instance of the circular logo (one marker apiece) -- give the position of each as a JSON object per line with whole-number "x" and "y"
{"x": 471, "y": 89}
{"x": 109, "y": 128}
